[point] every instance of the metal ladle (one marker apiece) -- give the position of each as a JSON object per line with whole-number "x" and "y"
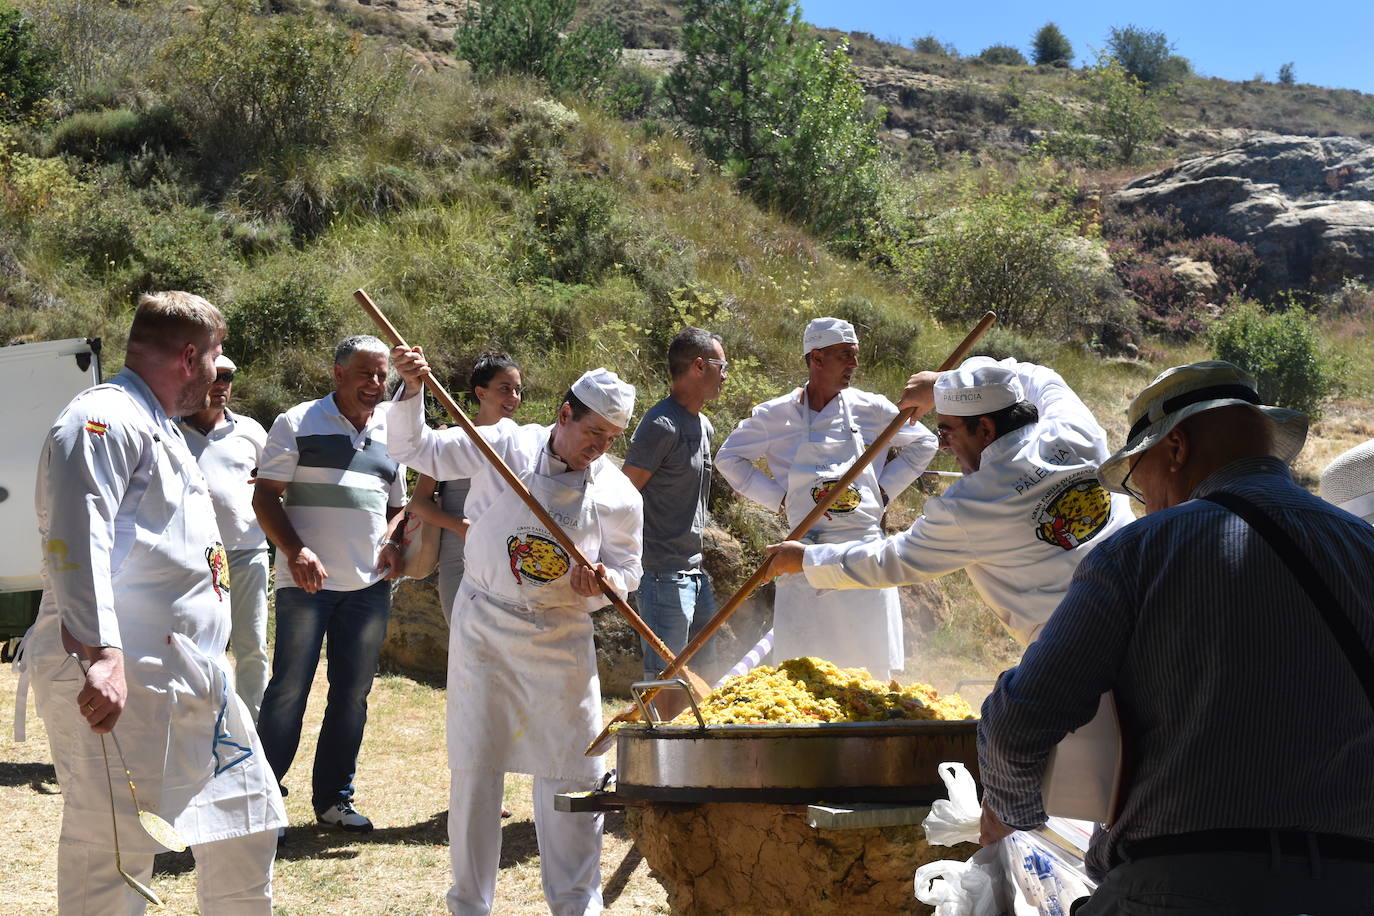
{"x": 155, "y": 826}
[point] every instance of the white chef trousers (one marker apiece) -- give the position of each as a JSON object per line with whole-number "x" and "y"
{"x": 248, "y": 625}
{"x": 569, "y": 845}
{"x": 233, "y": 877}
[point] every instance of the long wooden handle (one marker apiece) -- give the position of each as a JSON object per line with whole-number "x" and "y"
{"x": 518, "y": 485}
{"x": 761, "y": 574}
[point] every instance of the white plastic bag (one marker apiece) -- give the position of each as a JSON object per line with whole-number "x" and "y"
{"x": 954, "y": 820}
{"x": 1044, "y": 879}
{"x": 972, "y": 888}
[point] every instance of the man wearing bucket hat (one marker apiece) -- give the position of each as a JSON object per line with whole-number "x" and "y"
{"x": 810, "y": 437}
{"x": 1234, "y": 624}
{"x": 523, "y": 694}
{"x": 1348, "y": 482}
{"x": 1026, "y": 512}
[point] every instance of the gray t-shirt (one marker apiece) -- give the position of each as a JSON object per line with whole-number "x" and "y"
{"x": 673, "y": 444}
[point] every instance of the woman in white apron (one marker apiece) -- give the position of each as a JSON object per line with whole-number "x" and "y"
{"x": 853, "y": 629}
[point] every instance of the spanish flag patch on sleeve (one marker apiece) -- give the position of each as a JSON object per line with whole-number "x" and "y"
{"x": 96, "y": 427}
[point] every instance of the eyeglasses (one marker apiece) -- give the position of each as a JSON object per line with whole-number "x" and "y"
{"x": 723, "y": 363}
{"x": 1134, "y": 492}
{"x": 224, "y": 377}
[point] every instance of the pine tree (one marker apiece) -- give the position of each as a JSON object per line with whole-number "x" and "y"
{"x": 1050, "y": 45}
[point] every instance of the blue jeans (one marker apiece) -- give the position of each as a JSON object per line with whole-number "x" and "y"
{"x": 355, "y": 624}
{"x": 675, "y": 605}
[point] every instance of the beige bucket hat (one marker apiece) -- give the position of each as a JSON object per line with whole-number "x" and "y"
{"x": 1349, "y": 481}
{"x": 1182, "y": 391}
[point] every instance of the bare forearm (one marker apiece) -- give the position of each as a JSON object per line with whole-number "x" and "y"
{"x": 426, "y": 511}
{"x": 275, "y": 523}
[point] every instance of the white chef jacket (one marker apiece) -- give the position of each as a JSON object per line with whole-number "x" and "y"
{"x": 1018, "y": 524}
{"x": 449, "y": 453}
{"x": 775, "y": 428}
{"x": 133, "y": 561}
{"x": 228, "y": 457}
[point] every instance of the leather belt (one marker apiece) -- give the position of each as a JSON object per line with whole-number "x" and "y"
{"x": 1285, "y": 842}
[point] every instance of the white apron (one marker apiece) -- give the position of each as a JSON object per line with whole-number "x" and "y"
{"x": 854, "y": 628}
{"x": 523, "y": 693}
{"x": 188, "y": 740}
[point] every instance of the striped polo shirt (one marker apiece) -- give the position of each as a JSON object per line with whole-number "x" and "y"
{"x": 339, "y": 483}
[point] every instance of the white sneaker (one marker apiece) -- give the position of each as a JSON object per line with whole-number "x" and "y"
{"x": 344, "y": 817}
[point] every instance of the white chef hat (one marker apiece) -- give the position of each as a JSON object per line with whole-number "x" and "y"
{"x": 224, "y": 362}
{"x": 604, "y": 392}
{"x": 822, "y": 332}
{"x": 977, "y": 387}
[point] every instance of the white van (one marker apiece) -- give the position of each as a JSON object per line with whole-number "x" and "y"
{"x": 36, "y": 382}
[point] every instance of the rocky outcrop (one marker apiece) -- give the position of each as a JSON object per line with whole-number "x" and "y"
{"x": 1305, "y": 204}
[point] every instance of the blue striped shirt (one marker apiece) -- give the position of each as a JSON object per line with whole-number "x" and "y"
{"x": 1238, "y": 708}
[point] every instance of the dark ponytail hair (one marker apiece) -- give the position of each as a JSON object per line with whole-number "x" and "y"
{"x": 485, "y": 369}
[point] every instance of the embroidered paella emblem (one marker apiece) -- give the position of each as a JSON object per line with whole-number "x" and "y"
{"x": 537, "y": 557}
{"x": 218, "y": 562}
{"x": 1074, "y": 515}
{"x": 847, "y": 501}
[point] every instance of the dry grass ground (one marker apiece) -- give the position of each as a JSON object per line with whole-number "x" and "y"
{"x": 401, "y": 869}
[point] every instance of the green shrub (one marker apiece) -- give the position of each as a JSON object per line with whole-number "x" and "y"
{"x": 1000, "y": 343}
{"x": 1049, "y": 45}
{"x": 1122, "y": 112}
{"x": 1282, "y": 351}
{"x": 1143, "y": 53}
{"x": 112, "y": 135}
{"x": 1286, "y": 77}
{"x": 534, "y": 151}
{"x": 533, "y": 36}
{"x": 1006, "y": 252}
{"x": 883, "y": 335}
{"x": 248, "y": 86}
{"x": 573, "y": 233}
{"x": 929, "y": 44}
{"x": 1006, "y": 55}
{"x": 289, "y": 311}
{"x": 26, "y": 63}
{"x": 106, "y": 47}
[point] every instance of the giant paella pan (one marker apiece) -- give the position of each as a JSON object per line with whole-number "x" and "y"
{"x": 789, "y": 735}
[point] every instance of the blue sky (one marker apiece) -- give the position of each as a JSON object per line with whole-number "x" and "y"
{"x": 1330, "y": 44}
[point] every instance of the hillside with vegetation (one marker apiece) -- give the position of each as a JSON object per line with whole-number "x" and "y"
{"x": 549, "y": 193}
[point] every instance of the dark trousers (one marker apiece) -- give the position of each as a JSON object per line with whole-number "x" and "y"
{"x": 354, "y": 624}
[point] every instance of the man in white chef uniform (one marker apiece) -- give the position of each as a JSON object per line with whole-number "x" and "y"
{"x": 136, "y": 585}
{"x": 810, "y": 437}
{"x": 523, "y": 694}
{"x": 1026, "y": 512}
{"x": 228, "y": 447}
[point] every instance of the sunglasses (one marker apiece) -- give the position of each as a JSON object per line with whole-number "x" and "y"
{"x": 224, "y": 377}
{"x": 724, "y": 364}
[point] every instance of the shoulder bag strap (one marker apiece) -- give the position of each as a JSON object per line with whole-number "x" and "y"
{"x": 1311, "y": 581}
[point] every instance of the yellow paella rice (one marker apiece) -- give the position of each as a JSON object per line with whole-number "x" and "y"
{"x": 814, "y": 690}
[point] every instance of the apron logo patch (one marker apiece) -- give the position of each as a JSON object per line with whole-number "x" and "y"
{"x": 1074, "y": 514}
{"x": 96, "y": 427}
{"x": 536, "y": 557}
{"x": 847, "y": 502}
{"x": 218, "y": 562}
